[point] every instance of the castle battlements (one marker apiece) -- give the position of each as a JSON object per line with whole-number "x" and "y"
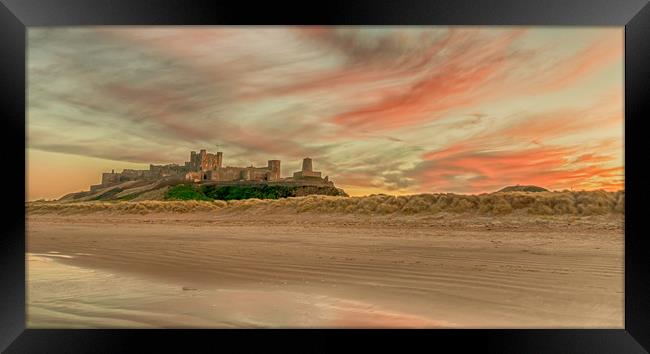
{"x": 205, "y": 167}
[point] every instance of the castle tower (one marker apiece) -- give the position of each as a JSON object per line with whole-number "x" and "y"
{"x": 274, "y": 166}
{"x": 193, "y": 161}
{"x": 219, "y": 158}
{"x": 307, "y": 170}
{"x": 204, "y": 161}
{"x": 202, "y": 158}
{"x": 306, "y": 165}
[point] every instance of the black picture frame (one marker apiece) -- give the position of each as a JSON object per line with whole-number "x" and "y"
{"x": 16, "y": 15}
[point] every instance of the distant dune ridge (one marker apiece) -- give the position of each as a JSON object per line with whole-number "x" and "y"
{"x": 499, "y": 203}
{"x": 519, "y": 188}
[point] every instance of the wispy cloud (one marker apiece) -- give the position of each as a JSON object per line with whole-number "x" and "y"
{"x": 401, "y": 109}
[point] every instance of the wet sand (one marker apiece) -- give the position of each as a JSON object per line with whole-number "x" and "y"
{"x": 202, "y": 270}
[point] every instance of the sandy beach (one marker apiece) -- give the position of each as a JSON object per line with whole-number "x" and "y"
{"x": 203, "y": 269}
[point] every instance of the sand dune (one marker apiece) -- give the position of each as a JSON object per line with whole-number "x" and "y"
{"x": 494, "y": 204}
{"x": 320, "y": 269}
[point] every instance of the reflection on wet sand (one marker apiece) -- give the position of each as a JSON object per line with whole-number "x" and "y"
{"x": 65, "y": 296}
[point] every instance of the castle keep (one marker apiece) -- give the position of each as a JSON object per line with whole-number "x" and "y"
{"x": 207, "y": 167}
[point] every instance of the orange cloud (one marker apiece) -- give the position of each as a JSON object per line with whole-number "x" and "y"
{"x": 486, "y": 171}
{"x": 492, "y": 159}
{"x": 453, "y": 84}
{"x": 592, "y": 158}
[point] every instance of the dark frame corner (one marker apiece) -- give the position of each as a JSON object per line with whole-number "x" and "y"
{"x": 17, "y": 15}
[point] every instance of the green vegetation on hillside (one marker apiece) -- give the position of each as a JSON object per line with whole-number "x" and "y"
{"x": 216, "y": 192}
{"x": 246, "y": 192}
{"x": 185, "y": 192}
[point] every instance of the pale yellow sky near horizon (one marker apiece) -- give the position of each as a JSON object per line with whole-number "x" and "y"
{"x": 395, "y": 110}
{"x": 51, "y": 175}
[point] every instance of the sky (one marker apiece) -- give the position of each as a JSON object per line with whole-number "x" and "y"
{"x": 395, "y": 110}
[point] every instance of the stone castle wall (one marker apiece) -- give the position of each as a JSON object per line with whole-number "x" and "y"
{"x": 241, "y": 174}
{"x": 204, "y": 166}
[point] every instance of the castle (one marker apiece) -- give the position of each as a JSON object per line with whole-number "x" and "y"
{"x": 205, "y": 167}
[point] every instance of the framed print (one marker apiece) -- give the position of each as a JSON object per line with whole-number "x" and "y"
{"x": 202, "y": 175}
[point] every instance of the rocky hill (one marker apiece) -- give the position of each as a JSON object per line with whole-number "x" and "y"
{"x": 171, "y": 189}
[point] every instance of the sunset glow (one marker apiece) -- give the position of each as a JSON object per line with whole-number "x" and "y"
{"x": 395, "y": 110}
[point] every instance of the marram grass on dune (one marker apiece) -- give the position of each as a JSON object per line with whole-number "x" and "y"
{"x": 500, "y": 203}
